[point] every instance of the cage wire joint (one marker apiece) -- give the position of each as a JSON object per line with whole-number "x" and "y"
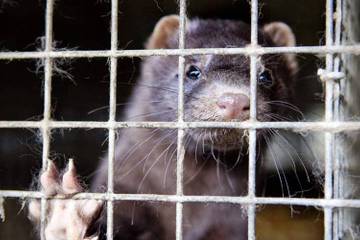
{"x": 330, "y": 75}
{"x": 2, "y": 210}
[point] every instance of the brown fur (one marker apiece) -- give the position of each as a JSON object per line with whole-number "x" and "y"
{"x": 216, "y": 160}
{"x": 156, "y": 158}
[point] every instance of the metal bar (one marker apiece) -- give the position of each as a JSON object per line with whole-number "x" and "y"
{"x": 329, "y": 114}
{"x": 110, "y": 187}
{"x": 249, "y": 50}
{"x": 315, "y": 202}
{"x": 181, "y": 134}
{"x": 254, "y": 22}
{"x": 179, "y": 182}
{"x": 294, "y": 126}
{"x": 338, "y": 148}
{"x": 252, "y": 184}
{"x": 252, "y": 133}
{"x": 112, "y": 119}
{"x": 45, "y": 130}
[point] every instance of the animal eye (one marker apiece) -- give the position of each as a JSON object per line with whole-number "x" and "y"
{"x": 265, "y": 79}
{"x": 193, "y": 73}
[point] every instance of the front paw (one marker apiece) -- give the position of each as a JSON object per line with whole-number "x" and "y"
{"x": 66, "y": 219}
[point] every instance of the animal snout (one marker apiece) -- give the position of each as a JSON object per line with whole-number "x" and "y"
{"x": 234, "y": 106}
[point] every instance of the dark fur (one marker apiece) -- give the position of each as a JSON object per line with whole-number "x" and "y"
{"x": 212, "y": 163}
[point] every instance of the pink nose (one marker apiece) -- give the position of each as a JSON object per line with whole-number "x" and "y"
{"x": 234, "y": 106}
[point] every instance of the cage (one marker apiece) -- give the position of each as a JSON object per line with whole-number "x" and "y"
{"x": 71, "y": 67}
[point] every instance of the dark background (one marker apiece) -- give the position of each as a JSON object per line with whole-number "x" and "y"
{"x": 81, "y": 85}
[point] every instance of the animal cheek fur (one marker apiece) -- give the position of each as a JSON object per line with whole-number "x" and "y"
{"x": 203, "y": 109}
{"x": 262, "y": 107}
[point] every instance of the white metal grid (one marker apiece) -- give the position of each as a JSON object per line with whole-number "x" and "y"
{"x": 330, "y": 125}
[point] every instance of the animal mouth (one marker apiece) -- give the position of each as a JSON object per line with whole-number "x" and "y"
{"x": 222, "y": 139}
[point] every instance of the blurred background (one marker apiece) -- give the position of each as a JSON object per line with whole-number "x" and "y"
{"x": 81, "y": 93}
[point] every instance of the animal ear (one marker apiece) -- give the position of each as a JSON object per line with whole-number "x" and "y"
{"x": 164, "y": 29}
{"x": 282, "y": 36}
{"x": 280, "y": 33}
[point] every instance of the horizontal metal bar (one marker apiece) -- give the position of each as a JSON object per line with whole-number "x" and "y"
{"x": 318, "y": 202}
{"x": 249, "y": 50}
{"x": 295, "y": 126}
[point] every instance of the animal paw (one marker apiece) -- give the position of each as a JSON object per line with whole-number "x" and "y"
{"x": 66, "y": 219}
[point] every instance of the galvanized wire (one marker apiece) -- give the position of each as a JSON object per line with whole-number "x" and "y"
{"x": 331, "y": 124}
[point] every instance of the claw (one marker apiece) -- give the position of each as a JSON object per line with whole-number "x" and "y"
{"x": 34, "y": 210}
{"x": 92, "y": 238}
{"x": 49, "y": 179}
{"x": 70, "y": 183}
{"x": 66, "y": 218}
{"x": 90, "y": 209}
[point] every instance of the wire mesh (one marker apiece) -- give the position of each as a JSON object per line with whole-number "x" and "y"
{"x": 330, "y": 125}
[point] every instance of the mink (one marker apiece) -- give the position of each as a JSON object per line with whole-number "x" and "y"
{"x": 216, "y": 88}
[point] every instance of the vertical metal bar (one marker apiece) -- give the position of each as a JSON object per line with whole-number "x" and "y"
{"x": 254, "y": 22}
{"x": 339, "y": 157}
{"x": 180, "y": 140}
{"x": 179, "y": 183}
{"x": 47, "y": 104}
{"x": 252, "y": 132}
{"x": 48, "y": 61}
{"x": 112, "y": 119}
{"x": 252, "y": 175}
{"x": 329, "y": 114}
{"x": 337, "y": 60}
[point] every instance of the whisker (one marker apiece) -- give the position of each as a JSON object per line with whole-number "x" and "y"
{"x": 136, "y": 146}
{"x": 149, "y": 114}
{"x": 197, "y": 172}
{"x": 273, "y": 155}
{"x": 302, "y": 139}
{"x": 156, "y": 87}
{"x": 237, "y": 159}
{"x": 274, "y": 116}
{"x": 293, "y": 164}
{"x": 151, "y": 167}
{"x": 144, "y": 159}
{"x": 118, "y": 104}
{"x": 148, "y": 86}
{"x": 168, "y": 165}
{"x": 229, "y": 181}
{"x": 286, "y": 105}
{"x": 297, "y": 155}
{"x": 187, "y": 140}
{"x": 196, "y": 148}
{"x": 159, "y": 143}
